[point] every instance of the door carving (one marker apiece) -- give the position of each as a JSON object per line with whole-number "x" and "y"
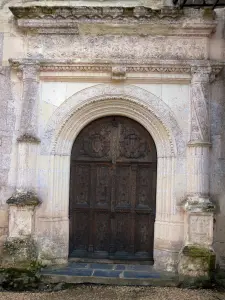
{"x": 112, "y": 191}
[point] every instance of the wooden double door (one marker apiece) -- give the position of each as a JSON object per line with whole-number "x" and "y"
{"x": 113, "y": 191}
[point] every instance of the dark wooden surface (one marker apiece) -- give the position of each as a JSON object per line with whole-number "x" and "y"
{"x": 112, "y": 191}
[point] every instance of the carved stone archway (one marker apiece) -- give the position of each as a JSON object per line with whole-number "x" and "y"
{"x": 64, "y": 126}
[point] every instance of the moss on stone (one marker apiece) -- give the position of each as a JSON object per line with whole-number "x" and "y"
{"x": 196, "y": 251}
{"x": 208, "y": 13}
{"x": 19, "y": 253}
{"x": 20, "y": 279}
{"x": 26, "y": 138}
{"x": 205, "y": 256}
{"x": 24, "y": 199}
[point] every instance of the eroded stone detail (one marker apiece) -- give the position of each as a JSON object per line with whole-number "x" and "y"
{"x": 28, "y": 124}
{"x": 116, "y": 47}
{"x": 199, "y": 203}
{"x": 93, "y": 12}
{"x": 24, "y": 199}
{"x": 196, "y": 263}
{"x": 200, "y": 104}
{"x": 119, "y": 73}
{"x": 28, "y": 139}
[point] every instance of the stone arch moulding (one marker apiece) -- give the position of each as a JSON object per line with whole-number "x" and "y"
{"x": 107, "y": 99}
{"x": 61, "y": 131}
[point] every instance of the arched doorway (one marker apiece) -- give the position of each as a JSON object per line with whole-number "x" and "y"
{"x": 113, "y": 191}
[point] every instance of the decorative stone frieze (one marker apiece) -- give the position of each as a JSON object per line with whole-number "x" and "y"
{"x": 129, "y": 66}
{"x": 93, "y": 12}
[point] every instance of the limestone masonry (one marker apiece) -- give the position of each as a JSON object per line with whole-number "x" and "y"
{"x": 65, "y": 64}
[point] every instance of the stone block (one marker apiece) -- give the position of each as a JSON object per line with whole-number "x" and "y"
{"x": 196, "y": 264}
{"x": 106, "y": 273}
{"x": 19, "y": 253}
{"x": 132, "y": 274}
{"x": 102, "y": 266}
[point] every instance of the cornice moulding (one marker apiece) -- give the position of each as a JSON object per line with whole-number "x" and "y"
{"x": 137, "y": 20}
{"x": 154, "y": 66}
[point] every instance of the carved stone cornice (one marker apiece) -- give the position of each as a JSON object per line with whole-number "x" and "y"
{"x": 125, "y": 67}
{"x": 136, "y": 20}
{"x": 24, "y": 198}
{"x": 92, "y": 12}
{"x": 25, "y": 138}
{"x": 198, "y": 204}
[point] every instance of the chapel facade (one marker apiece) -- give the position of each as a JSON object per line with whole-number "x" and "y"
{"x": 112, "y": 131}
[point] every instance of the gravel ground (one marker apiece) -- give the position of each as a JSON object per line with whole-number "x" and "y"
{"x": 89, "y": 292}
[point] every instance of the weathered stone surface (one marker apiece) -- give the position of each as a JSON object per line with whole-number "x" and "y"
{"x": 116, "y": 47}
{"x": 196, "y": 262}
{"x": 162, "y": 68}
{"x": 19, "y": 253}
{"x": 1, "y": 45}
{"x": 24, "y": 199}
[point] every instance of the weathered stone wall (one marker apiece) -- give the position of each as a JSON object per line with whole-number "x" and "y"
{"x": 7, "y": 122}
{"x": 217, "y": 178}
{"x": 16, "y": 44}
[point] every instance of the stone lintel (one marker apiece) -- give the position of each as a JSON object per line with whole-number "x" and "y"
{"x": 26, "y": 138}
{"x": 24, "y": 199}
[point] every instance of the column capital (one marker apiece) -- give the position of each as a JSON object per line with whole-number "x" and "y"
{"x": 27, "y": 69}
{"x": 198, "y": 203}
{"x": 202, "y": 74}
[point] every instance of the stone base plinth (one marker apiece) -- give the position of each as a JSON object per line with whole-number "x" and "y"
{"x": 19, "y": 253}
{"x": 196, "y": 265}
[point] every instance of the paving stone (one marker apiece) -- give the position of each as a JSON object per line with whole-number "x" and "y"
{"x": 146, "y": 268}
{"x": 106, "y": 273}
{"x": 120, "y": 267}
{"x": 102, "y": 266}
{"x": 72, "y": 272}
{"x": 136, "y": 275}
{"x": 75, "y": 265}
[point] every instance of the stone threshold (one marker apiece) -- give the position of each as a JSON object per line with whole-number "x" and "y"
{"x": 104, "y": 273}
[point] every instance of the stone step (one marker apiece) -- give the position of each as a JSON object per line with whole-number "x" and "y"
{"x": 102, "y": 273}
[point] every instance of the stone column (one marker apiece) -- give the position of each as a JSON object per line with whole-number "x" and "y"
{"x": 197, "y": 256}
{"x": 23, "y": 202}
{"x": 28, "y": 141}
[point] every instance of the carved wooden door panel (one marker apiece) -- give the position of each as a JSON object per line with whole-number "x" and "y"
{"x": 112, "y": 191}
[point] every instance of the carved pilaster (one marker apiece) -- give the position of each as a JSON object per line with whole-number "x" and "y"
{"x": 200, "y": 94}
{"x": 198, "y": 147}
{"x": 197, "y": 258}
{"x": 27, "y": 140}
{"x": 28, "y": 125}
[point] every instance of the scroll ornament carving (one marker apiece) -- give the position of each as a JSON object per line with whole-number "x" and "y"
{"x": 199, "y": 105}
{"x": 88, "y": 12}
